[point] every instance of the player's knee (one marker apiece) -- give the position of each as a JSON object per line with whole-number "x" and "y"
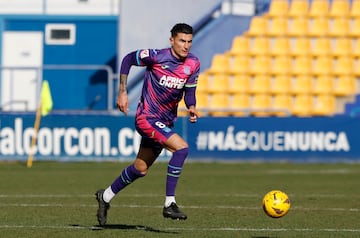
{"x": 141, "y": 167}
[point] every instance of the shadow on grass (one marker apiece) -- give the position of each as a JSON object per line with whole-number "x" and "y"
{"x": 130, "y": 227}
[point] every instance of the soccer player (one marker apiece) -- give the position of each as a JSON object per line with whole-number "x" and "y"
{"x": 171, "y": 73}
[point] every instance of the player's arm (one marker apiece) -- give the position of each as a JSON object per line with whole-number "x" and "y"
{"x": 123, "y": 101}
{"x": 190, "y": 92}
{"x": 137, "y": 58}
{"x": 190, "y": 102}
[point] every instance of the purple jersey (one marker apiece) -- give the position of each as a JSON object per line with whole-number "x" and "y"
{"x": 165, "y": 81}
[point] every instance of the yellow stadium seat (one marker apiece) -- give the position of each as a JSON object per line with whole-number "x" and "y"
{"x": 356, "y": 50}
{"x": 342, "y": 47}
{"x": 219, "y": 103}
{"x": 356, "y": 67}
{"x": 240, "y": 46}
{"x": 281, "y": 47}
{"x": 323, "y": 85}
{"x": 202, "y": 83}
{"x": 324, "y": 105}
{"x": 302, "y": 105}
{"x": 301, "y": 47}
{"x": 323, "y": 66}
{"x": 339, "y": 8}
{"x": 258, "y": 26}
{"x": 260, "y": 84}
{"x": 319, "y": 8}
{"x": 277, "y": 27}
{"x": 302, "y": 65}
{"x": 182, "y": 109}
{"x": 281, "y": 105}
{"x": 344, "y": 66}
{"x": 319, "y": 27}
{"x": 298, "y": 8}
{"x": 239, "y": 83}
{"x": 260, "y": 46}
{"x": 302, "y": 84}
{"x": 218, "y": 83}
{"x": 278, "y": 8}
{"x": 298, "y": 27}
{"x": 261, "y": 105}
{"x": 322, "y": 47}
{"x": 281, "y": 66}
{"x": 202, "y": 102}
{"x": 260, "y": 65}
{"x": 355, "y": 9}
{"x": 345, "y": 85}
{"x": 281, "y": 84}
{"x": 240, "y": 65}
{"x": 240, "y": 104}
{"x": 355, "y": 27}
{"x": 340, "y": 27}
{"x": 219, "y": 64}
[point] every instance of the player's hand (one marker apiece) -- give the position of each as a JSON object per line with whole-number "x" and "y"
{"x": 123, "y": 103}
{"x": 194, "y": 115}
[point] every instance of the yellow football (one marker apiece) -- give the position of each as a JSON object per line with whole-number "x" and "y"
{"x": 276, "y": 204}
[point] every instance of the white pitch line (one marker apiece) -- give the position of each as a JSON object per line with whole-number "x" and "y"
{"x": 76, "y": 227}
{"x": 263, "y": 229}
{"x": 189, "y": 207}
{"x": 248, "y": 195}
{"x": 317, "y": 172}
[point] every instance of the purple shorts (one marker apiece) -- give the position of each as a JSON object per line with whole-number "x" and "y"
{"x": 153, "y": 129}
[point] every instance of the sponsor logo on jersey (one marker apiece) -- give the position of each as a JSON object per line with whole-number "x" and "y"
{"x": 172, "y": 82}
{"x": 187, "y": 70}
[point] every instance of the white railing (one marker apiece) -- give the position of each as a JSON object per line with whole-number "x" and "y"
{"x": 36, "y": 74}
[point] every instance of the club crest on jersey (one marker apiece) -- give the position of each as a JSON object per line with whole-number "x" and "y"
{"x": 144, "y": 54}
{"x": 187, "y": 70}
{"x": 172, "y": 82}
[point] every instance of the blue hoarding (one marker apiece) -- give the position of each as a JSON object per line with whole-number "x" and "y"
{"x": 305, "y": 139}
{"x": 113, "y": 137}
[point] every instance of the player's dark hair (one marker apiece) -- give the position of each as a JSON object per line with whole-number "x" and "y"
{"x": 181, "y": 28}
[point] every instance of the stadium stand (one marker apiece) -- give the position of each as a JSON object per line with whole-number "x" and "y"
{"x": 355, "y": 9}
{"x": 298, "y": 8}
{"x": 219, "y": 101}
{"x": 301, "y": 47}
{"x": 281, "y": 84}
{"x": 240, "y": 64}
{"x": 298, "y": 26}
{"x": 258, "y": 26}
{"x": 340, "y": 8}
{"x": 280, "y": 47}
{"x": 240, "y": 104}
{"x": 300, "y": 58}
{"x": 282, "y": 103}
{"x": 319, "y": 8}
{"x": 239, "y": 83}
{"x": 240, "y": 46}
{"x": 278, "y": 8}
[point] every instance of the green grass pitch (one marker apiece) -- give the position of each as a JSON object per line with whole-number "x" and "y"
{"x": 55, "y": 199}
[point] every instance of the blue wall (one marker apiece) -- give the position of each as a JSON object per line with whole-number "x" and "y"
{"x": 96, "y": 44}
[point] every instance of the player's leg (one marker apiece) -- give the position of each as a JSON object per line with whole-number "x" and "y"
{"x": 146, "y": 156}
{"x": 138, "y": 169}
{"x": 180, "y": 150}
{"x": 165, "y": 135}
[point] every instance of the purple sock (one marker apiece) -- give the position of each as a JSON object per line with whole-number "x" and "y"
{"x": 174, "y": 170}
{"x": 128, "y": 175}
